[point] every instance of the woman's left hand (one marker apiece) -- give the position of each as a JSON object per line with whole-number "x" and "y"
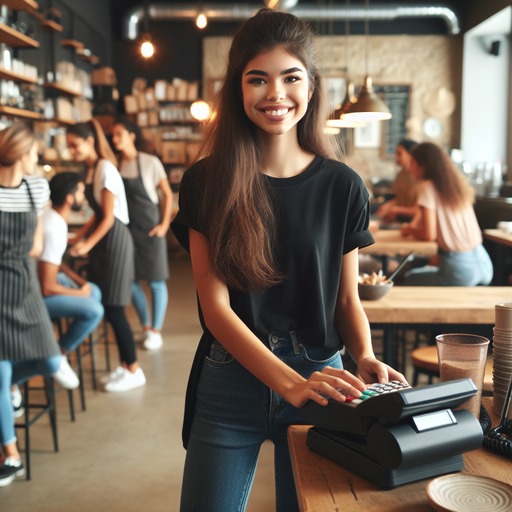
{"x": 79, "y": 249}
{"x": 160, "y": 230}
{"x": 372, "y": 370}
{"x": 406, "y": 229}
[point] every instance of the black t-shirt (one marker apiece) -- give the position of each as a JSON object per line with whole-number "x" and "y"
{"x": 322, "y": 214}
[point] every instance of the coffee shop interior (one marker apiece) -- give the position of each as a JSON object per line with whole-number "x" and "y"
{"x": 407, "y": 84}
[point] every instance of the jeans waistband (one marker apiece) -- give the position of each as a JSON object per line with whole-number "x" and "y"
{"x": 457, "y": 253}
{"x": 283, "y": 339}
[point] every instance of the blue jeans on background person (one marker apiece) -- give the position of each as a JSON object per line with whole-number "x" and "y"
{"x": 159, "y": 298}
{"x": 86, "y": 312}
{"x": 471, "y": 268}
{"x": 17, "y": 372}
{"x": 235, "y": 413}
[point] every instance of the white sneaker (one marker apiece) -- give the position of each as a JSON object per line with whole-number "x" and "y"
{"x": 17, "y": 400}
{"x": 154, "y": 341}
{"x": 112, "y": 376}
{"x": 126, "y": 381}
{"x": 65, "y": 375}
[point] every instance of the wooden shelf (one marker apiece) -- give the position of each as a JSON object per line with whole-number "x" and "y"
{"x": 62, "y": 90}
{"x": 16, "y": 39}
{"x": 20, "y": 5}
{"x": 51, "y": 26}
{"x": 18, "y": 112}
{"x": 62, "y": 121}
{"x": 6, "y": 74}
{"x": 71, "y": 43}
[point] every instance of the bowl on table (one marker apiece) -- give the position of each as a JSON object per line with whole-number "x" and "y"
{"x": 374, "y": 291}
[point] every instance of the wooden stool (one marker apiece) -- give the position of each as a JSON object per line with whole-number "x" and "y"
{"x": 425, "y": 361}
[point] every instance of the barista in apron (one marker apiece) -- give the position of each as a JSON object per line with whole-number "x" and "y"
{"x": 27, "y": 342}
{"x": 109, "y": 245}
{"x": 143, "y": 174}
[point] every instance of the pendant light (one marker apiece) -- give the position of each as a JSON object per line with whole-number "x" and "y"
{"x": 337, "y": 119}
{"x": 368, "y": 107}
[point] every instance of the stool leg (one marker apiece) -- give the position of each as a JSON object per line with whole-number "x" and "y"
{"x": 50, "y": 396}
{"x": 80, "y": 376}
{"x": 107, "y": 351}
{"x": 93, "y": 362}
{"x": 27, "y": 431}
{"x": 71, "y": 405}
{"x": 415, "y": 377}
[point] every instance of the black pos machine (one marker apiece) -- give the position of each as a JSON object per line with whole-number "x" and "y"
{"x": 395, "y": 434}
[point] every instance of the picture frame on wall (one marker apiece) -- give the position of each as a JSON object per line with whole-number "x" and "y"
{"x": 369, "y": 136}
{"x": 336, "y": 90}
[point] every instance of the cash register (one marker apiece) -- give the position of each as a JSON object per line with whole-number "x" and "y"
{"x": 395, "y": 434}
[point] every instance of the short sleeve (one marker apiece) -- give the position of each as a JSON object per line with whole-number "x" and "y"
{"x": 189, "y": 199}
{"x": 427, "y": 195}
{"x": 158, "y": 171}
{"x": 42, "y": 195}
{"x": 111, "y": 178}
{"x": 357, "y": 233}
{"x": 54, "y": 239}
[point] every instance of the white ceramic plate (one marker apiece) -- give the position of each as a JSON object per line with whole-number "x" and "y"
{"x": 467, "y": 493}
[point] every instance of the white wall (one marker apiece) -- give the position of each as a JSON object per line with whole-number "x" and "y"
{"x": 485, "y": 90}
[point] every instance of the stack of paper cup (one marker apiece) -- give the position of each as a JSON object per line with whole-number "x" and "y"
{"x": 502, "y": 356}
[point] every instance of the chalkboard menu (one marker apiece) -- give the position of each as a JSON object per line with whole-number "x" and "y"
{"x": 396, "y": 98}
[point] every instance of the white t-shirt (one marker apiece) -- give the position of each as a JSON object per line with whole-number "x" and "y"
{"x": 55, "y": 237}
{"x": 107, "y": 176}
{"x": 457, "y": 230}
{"x": 151, "y": 170}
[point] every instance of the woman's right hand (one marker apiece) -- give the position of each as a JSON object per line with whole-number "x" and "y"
{"x": 327, "y": 381}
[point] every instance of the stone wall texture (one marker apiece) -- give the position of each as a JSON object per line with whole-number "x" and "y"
{"x": 425, "y": 63}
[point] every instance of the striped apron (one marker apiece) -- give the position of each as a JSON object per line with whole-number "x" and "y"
{"x": 150, "y": 251}
{"x": 111, "y": 260}
{"x": 26, "y": 332}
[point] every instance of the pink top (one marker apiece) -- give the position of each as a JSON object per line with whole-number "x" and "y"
{"x": 457, "y": 230}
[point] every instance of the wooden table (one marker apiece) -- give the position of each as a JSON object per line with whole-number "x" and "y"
{"x": 390, "y": 243}
{"x": 324, "y": 486}
{"x": 504, "y": 244}
{"x": 432, "y": 308}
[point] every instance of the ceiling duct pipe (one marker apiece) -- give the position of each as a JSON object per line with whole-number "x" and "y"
{"x": 240, "y": 12}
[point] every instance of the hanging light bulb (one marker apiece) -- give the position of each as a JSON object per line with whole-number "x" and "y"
{"x": 201, "y": 20}
{"x": 147, "y": 49}
{"x": 368, "y": 107}
{"x": 200, "y": 110}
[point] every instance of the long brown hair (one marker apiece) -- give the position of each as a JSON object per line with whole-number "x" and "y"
{"x": 92, "y": 128}
{"x": 450, "y": 183}
{"x": 236, "y": 213}
{"x": 15, "y": 141}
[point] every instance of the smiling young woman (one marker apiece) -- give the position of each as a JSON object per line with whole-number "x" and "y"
{"x": 273, "y": 221}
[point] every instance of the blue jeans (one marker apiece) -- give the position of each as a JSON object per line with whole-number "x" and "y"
{"x": 159, "y": 297}
{"x": 17, "y": 372}
{"x": 471, "y": 268}
{"x": 86, "y": 313}
{"x": 235, "y": 413}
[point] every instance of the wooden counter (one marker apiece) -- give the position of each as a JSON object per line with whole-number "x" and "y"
{"x": 324, "y": 486}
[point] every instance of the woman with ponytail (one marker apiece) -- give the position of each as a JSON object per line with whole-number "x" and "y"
{"x": 273, "y": 222}
{"x": 108, "y": 243}
{"x": 27, "y": 342}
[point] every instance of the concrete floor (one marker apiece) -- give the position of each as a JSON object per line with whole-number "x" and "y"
{"x": 124, "y": 453}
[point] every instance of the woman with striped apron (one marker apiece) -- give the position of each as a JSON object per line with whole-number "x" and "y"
{"x": 109, "y": 245}
{"x": 143, "y": 174}
{"x": 27, "y": 342}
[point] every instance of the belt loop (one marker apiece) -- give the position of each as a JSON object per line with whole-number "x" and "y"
{"x": 296, "y": 349}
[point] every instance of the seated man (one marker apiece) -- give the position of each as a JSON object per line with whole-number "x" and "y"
{"x": 65, "y": 293}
